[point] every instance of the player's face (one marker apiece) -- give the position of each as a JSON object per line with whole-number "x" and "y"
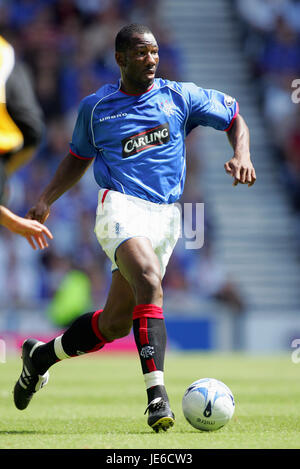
{"x": 141, "y": 60}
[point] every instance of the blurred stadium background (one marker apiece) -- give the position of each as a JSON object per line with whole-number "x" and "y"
{"x": 241, "y": 290}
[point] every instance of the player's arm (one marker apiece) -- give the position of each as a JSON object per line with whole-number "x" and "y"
{"x": 32, "y": 230}
{"x": 68, "y": 173}
{"x": 216, "y": 109}
{"x": 240, "y": 166}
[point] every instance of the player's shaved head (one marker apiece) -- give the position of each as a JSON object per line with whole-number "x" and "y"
{"x": 125, "y": 37}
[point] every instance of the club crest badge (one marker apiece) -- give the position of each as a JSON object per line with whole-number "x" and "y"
{"x": 168, "y": 107}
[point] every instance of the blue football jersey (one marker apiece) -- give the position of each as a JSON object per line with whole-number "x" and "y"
{"x": 138, "y": 141}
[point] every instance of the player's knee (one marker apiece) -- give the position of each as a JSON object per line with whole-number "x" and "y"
{"x": 148, "y": 285}
{"x": 115, "y": 326}
{"x": 118, "y": 330}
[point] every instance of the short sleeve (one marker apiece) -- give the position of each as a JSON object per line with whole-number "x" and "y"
{"x": 81, "y": 144}
{"x": 209, "y": 107}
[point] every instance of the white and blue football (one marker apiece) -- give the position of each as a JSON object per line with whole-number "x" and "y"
{"x": 208, "y": 404}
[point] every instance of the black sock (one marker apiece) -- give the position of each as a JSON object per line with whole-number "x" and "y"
{"x": 44, "y": 356}
{"x": 150, "y": 338}
{"x": 80, "y": 338}
{"x": 157, "y": 391}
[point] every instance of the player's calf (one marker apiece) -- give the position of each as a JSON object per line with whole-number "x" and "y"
{"x": 83, "y": 336}
{"x": 115, "y": 326}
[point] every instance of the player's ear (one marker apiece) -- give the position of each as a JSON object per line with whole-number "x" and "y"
{"x": 120, "y": 58}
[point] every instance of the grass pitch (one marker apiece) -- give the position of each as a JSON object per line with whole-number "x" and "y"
{"x": 98, "y": 402}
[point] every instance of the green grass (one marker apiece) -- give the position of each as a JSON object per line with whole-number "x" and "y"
{"x": 99, "y": 402}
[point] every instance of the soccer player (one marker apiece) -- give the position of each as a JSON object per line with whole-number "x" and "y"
{"x": 134, "y": 131}
{"x": 21, "y": 130}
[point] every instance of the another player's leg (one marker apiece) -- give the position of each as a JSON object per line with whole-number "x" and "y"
{"x": 139, "y": 264}
{"x": 83, "y": 336}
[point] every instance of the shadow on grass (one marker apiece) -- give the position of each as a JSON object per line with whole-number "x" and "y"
{"x": 20, "y": 432}
{"x": 100, "y": 430}
{"x": 86, "y": 426}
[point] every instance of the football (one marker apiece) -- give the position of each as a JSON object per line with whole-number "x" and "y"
{"x": 208, "y": 404}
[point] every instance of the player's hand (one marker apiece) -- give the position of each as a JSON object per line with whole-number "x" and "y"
{"x": 39, "y": 212}
{"x": 32, "y": 230}
{"x": 241, "y": 170}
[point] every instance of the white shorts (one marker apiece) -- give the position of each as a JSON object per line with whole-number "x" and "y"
{"x": 121, "y": 217}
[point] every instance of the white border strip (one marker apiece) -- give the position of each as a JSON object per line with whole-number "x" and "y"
{"x": 58, "y": 349}
{"x": 155, "y": 378}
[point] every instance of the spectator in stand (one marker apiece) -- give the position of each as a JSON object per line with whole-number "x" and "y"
{"x": 272, "y": 42}
{"x": 291, "y": 161}
{"x": 279, "y": 63}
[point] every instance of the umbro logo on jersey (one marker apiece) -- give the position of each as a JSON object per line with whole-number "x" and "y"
{"x": 114, "y": 116}
{"x": 149, "y": 138}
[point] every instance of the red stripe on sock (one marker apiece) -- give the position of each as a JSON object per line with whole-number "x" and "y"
{"x": 95, "y": 328}
{"x": 143, "y": 331}
{"x": 95, "y": 323}
{"x": 151, "y": 365}
{"x": 143, "y": 335}
{"x": 147, "y": 311}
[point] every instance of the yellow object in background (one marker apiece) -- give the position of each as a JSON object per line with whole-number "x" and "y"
{"x": 11, "y": 138}
{"x": 72, "y": 299}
